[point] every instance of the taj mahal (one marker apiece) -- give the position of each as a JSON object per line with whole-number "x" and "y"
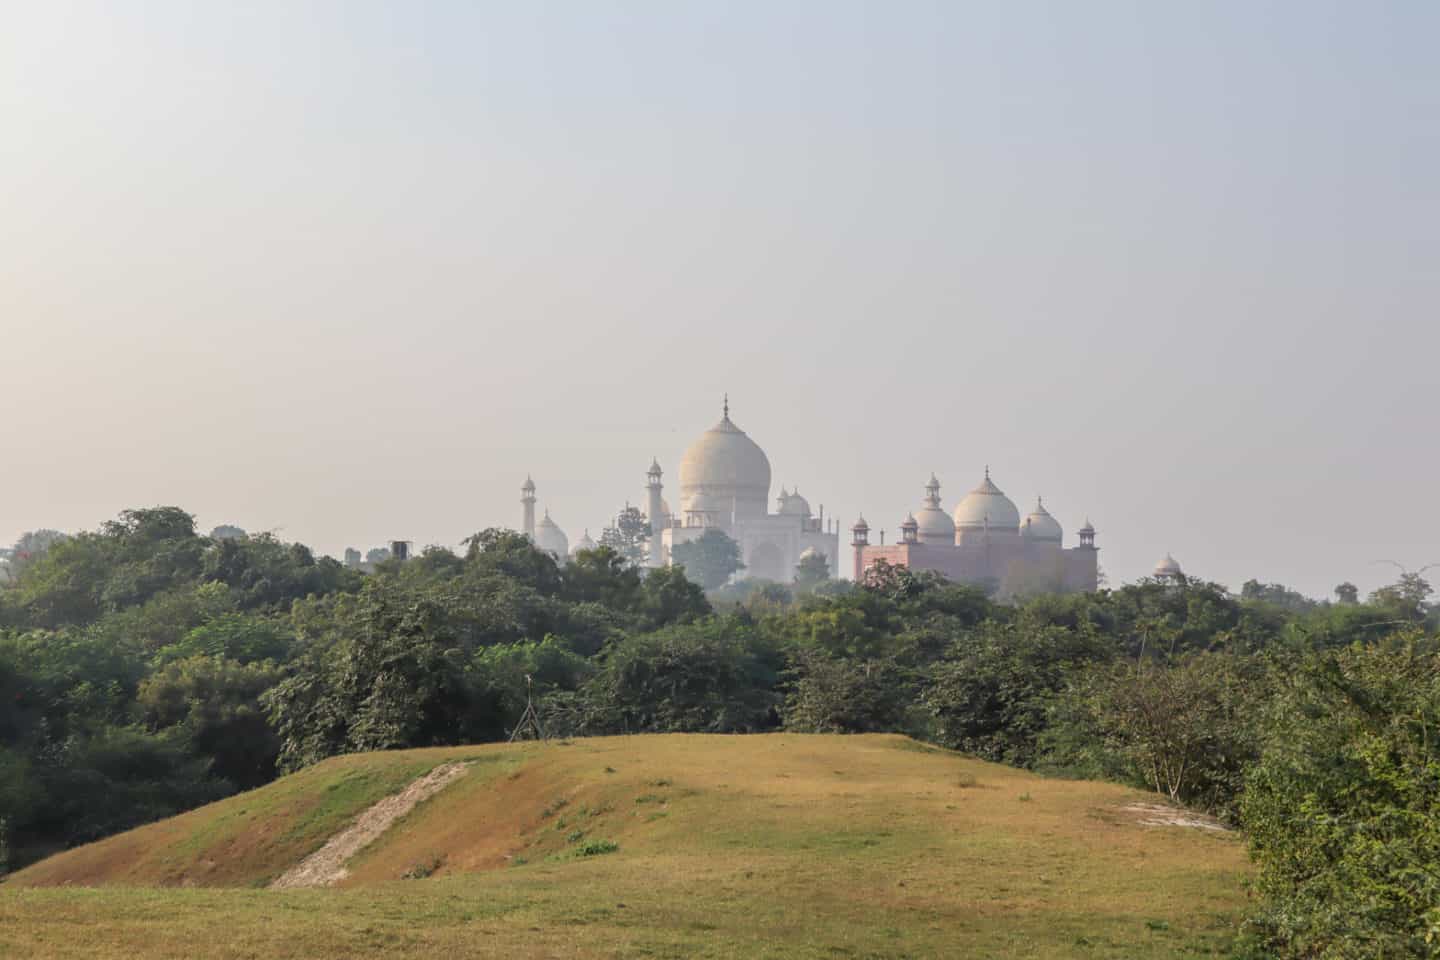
{"x": 725, "y": 485}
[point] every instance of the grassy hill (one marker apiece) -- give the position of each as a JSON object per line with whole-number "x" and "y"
{"x": 655, "y": 846}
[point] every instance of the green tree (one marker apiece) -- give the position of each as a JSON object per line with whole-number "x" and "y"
{"x": 629, "y": 536}
{"x": 216, "y": 702}
{"x": 991, "y": 694}
{"x": 503, "y": 676}
{"x": 1343, "y": 809}
{"x": 602, "y": 576}
{"x": 1277, "y": 594}
{"x": 1406, "y": 596}
{"x": 710, "y": 559}
{"x": 668, "y": 596}
{"x": 32, "y": 546}
{"x": 245, "y": 638}
{"x": 717, "y": 676}
{"x": 1347, "y": 592}
{"x": 262, "y": 571}
{"x": 831, "y": 695}
{"x": 1187, "y": 729}
{"x": 395, "y": 679}
{"x": 507, "y": 553}
{"x": 812, "y": 570}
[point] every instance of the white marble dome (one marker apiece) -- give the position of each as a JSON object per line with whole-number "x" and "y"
{"x": 726, "y": 466}
{"x": 794, "y": 505}
{"x": 1167, "y": 567}
{"x": 1040, "y": 525}
{"x": 550, "y": 538}
{"x": 987, "y": 505}
{"x": 935, "y": 524}
{"x": 584, "y": 543}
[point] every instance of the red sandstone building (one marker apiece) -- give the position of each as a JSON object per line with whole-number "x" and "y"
{"x": 986, "y": 543}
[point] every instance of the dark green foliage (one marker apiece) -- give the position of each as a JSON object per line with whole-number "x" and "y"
{"x": 215, "y": 703}
{"x": 1277, "y": 594}
{"x": 710, "y": 559}
{"x": 233, "y": 636}
{"x": 990, "y": 695}
{"x": 812, "y": 571}
{"x": 261, "y": 571}
{"x": 601, "y": 576}
{"x": 1187, "y": 728}
{"x": 510, "y": 554}
{"x": 120, "y": 777}
{"x": 395, "y": 680}
{"x": 497, "y": 677}
{"x": 668, "y": 596}
{"x": 832, "y": 695}
{"x": 1406, "y": 597}
{"x": 717, "y": 676}
{"x": 145, "y": 668}
{"x": 1343, "y": 809}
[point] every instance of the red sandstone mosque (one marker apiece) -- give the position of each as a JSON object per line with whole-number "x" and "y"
{"x": 985, "y": 543}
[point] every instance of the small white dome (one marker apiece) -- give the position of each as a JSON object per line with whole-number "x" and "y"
{"x": 809, "y": 553}
{"x": 584, "y": 543}
{"x": 550, "y": 538}
{"x": 986, "y": 505}
{"x": 1039, "y": 525}
{"x": 935, "y": 525}
{"x": 1167, "y": 568}
{"x": 794, "y": 505}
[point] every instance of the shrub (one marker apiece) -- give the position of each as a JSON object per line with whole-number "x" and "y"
{"x": 1343, "y": 809}
{"x": 594, "y": 848}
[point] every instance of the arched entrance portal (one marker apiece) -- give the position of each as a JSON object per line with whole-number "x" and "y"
{"x": 767, "y": 562}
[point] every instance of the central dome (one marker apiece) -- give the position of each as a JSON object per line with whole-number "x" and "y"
{"x": 987, "y": 506}
{"x": 725, "y": 466}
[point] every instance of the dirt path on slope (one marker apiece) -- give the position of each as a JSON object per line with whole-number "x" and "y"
{"x": 326, "y": 866}
{"x": 1161, "y": 815}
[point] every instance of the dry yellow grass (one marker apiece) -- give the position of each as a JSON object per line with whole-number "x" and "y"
{"x": 762, "y": 846}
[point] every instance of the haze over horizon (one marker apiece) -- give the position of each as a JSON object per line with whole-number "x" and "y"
{"x": 351, "y": 271}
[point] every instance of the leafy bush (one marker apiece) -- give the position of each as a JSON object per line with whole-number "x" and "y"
{"x": 595, "y": 848}
{"x": 831, "y": 695}
{"x": 1343, "y": 809}
{"x": 716, "y": 676}
{"x": 991, "y": 695}
{"x": 1185, "y": 727}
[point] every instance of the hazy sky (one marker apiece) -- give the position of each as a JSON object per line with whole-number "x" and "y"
{"x": 349, "y": 271}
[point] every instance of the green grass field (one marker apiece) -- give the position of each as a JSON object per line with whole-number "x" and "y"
{"x": 654, "y": 846}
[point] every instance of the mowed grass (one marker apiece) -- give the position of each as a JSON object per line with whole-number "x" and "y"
{"x": 657, "y": 846}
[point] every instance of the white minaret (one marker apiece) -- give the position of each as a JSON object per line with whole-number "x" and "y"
{"x": 527, "y": 497}
{"x": 656, "y": 510}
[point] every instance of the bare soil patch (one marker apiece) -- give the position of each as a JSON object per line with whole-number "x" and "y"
{"x": 1160, "y": 815}
{"x": 326, "y": 866}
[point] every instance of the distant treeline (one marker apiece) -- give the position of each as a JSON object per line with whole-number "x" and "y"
{"x": 145, "y": 669}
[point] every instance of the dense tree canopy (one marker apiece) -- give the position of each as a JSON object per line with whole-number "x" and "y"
{"x": 710, "y": 559}
{"x": 145, "y": 668}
